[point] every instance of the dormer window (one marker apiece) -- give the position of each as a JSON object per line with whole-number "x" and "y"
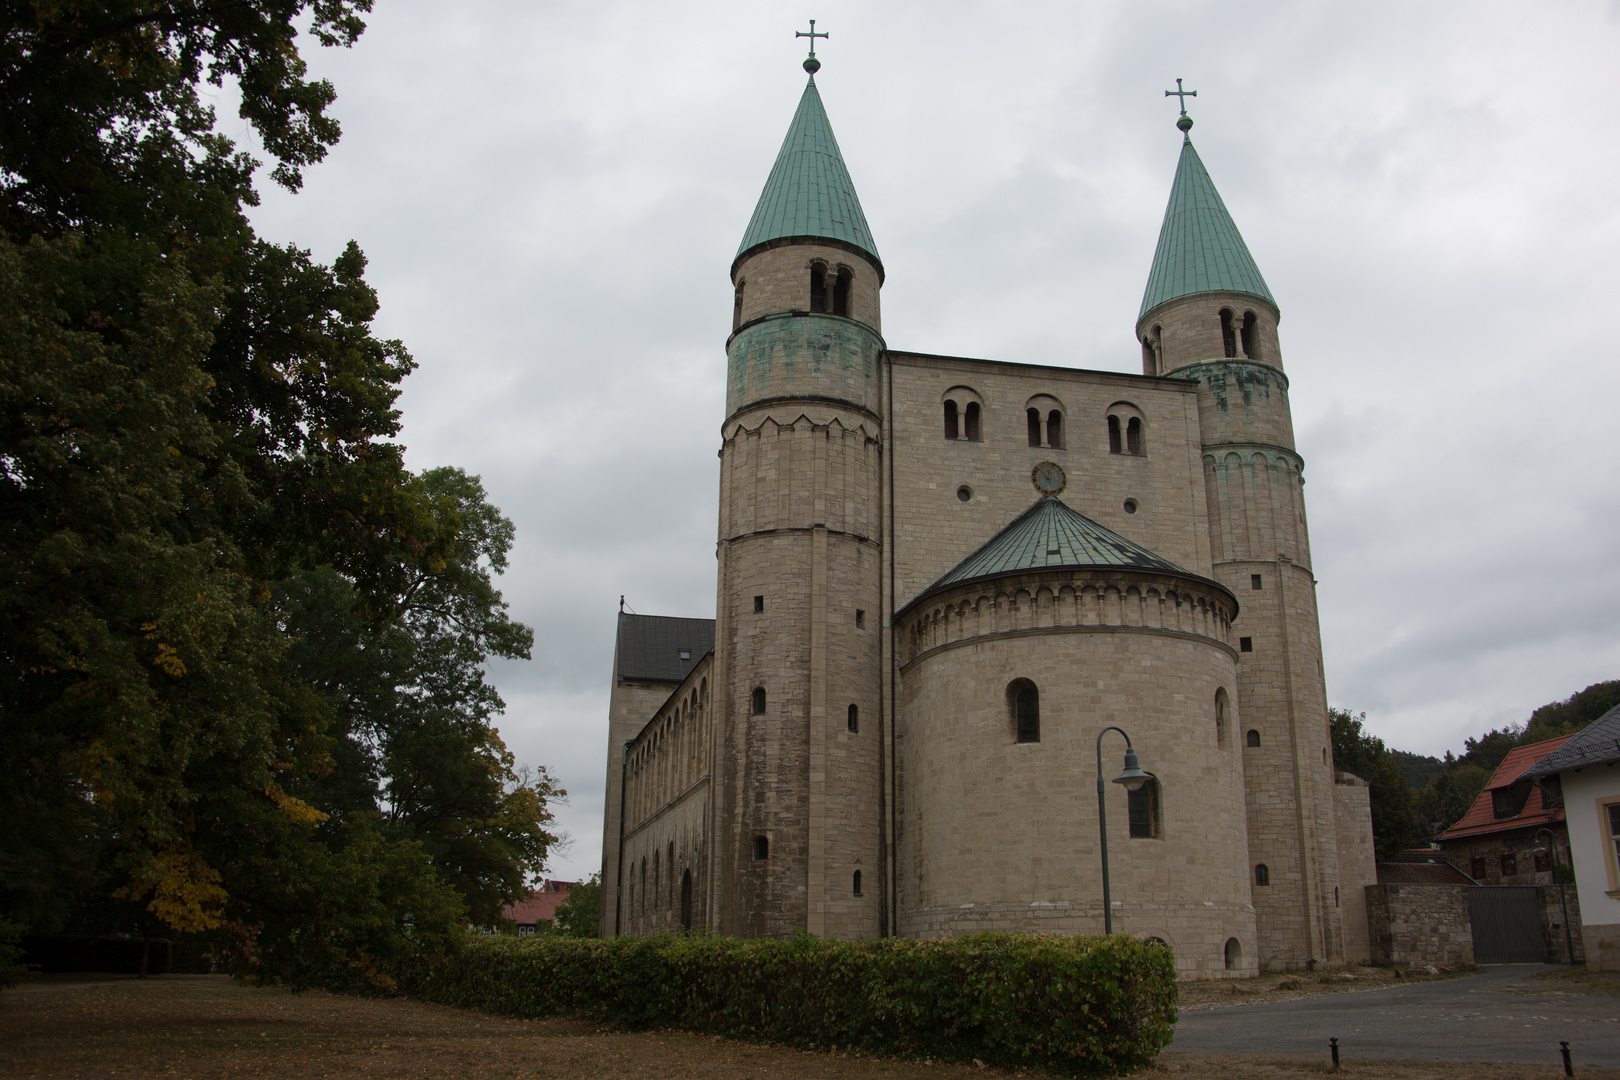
{"x": 1509, "y": 801}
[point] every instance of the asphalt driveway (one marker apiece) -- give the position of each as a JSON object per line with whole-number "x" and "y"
{"x": 1501, "y": 1014}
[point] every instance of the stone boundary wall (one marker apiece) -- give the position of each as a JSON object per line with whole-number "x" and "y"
{"x": 1417, "y": 925}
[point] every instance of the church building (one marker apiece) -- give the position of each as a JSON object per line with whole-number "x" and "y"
{"x": 941, "y": 579}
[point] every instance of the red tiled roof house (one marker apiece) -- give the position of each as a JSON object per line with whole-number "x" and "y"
{"x": 1494, "y": 842}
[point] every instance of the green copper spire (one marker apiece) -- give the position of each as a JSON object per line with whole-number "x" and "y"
{"x": 809, "y": 192}
{"x": 1200, "y": 248}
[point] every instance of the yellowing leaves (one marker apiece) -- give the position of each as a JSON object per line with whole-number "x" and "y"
{"x": 186, "y": 894}
{"x": 297, "y": 810}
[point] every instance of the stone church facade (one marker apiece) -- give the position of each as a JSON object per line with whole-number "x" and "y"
{"x": 939, "y": 580}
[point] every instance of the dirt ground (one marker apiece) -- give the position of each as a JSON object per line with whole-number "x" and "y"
{"x": 204, "y": 1026}
{"x": 1212, "y": 993}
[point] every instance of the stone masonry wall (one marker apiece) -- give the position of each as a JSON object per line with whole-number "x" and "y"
{"x": 1418, "y": 925}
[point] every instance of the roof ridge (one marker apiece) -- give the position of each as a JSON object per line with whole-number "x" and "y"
{"x": 1200, "y": 248}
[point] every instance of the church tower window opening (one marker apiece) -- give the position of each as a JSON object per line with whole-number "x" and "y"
{"x": 818, "y": 289}
{"x": 759, "y": 604}
{"x": 854, "y": 718}
{"x": 1025, "y": 702}
{"x": 1262, "y": 875}
{"x": 1142, "y": 808}
{"x": 762, "y": 849}
{"x": 952, "y": 425}
{"x": 860, "y": 620}
{"x": 857, "y": 883}
{"x": 971, "y": 422}
{"x": 1245, "y": 644}
{"x": 1253, "y": 738}
{"x": 758, "y": 702}
{"x": 1229, "y": 341}
{"x": 736, "y": 306}
{"x": 1250, "y": 336}
{"x": 840, "y": 297}
{"x": 1116, "y": 442}
{"x": 1034, "y": 417}
{"x": 1054, "y": 429}
{"x": 1133, "y": 435}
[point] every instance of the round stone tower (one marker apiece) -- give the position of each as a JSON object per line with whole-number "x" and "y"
{"x": 1208, "y": 316}
{"x": 798, "y": 810}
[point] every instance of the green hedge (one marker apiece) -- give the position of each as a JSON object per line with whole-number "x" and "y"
{"x": 1064, "y": 1004}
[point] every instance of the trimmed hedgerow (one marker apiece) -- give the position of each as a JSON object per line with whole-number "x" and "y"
{"x": 1064, "y": 1004}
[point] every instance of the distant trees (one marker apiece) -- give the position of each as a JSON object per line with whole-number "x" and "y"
{"x": 579, "y": 913}
{"x": 1356, "y": 751}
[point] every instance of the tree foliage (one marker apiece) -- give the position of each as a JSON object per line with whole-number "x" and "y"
{"x": 1357, "y": 751}
{"x": 580, "y": 913}
{"x": 242, "y": 647}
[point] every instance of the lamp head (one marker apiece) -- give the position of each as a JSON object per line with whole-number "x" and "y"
{"x": 1133, "y": 777}
{"x": 1540, "y": 846}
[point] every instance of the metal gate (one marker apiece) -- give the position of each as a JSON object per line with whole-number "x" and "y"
{"x": 1507, "y": 926}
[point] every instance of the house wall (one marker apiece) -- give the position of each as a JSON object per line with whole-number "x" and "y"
{"x": 1587, "y": 793}
{"x": 1520, "y": 843}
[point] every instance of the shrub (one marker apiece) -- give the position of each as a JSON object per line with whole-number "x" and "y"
{"x": 1065, "y": 1004}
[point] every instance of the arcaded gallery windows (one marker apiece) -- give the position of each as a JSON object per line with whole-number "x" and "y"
{"x": 1024, "y": 702}
{"x": 830, "y": 289}
{"x": 1126, "y": 430}
{"x": 1044, "y": 420}
{"x": 1240, "y": 334}
{"x": 962, "y": 415}
{"x": 1142, "y": 808}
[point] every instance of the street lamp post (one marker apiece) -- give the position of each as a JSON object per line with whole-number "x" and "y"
{"x": 1546, "y": 847}
{"x": 1132, "y": 778}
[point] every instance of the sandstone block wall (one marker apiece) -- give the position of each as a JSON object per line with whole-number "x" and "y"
{"x": 630, "y": 705}
{"x": 1188, "y": 328}
{"x": 777, "y": 279}
{"x": 1358, "y": 866}
{"x": 1417, "y": 925}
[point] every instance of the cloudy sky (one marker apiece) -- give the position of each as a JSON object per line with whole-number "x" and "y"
{"x": 550, "y": 195}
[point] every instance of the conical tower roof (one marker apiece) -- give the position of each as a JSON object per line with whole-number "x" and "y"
{"x": 1200, "y": 248}
{"x": 1048, "y": 536}
{"x": 809, "y": 192}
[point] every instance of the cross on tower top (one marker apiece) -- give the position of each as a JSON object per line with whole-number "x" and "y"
{"x": 811, "y": 64}
{"x": 1185, "y": 123}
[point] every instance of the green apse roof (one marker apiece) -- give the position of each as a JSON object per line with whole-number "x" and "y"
{"x": 1050, "y": 535}
{"x": 1200, "y": 248}
{"x": 809, "y": 192}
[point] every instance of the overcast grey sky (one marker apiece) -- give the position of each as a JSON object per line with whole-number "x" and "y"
{"x": 550, "y": 195}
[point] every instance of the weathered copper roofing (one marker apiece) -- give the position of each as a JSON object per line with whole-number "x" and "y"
{"x": 1481, "y": 817}
{"x": 809, "y": 192}
{"x": 1051, "y": 535}
{"x": 1598, "y": 743}
{"x": 1200, "y": 248}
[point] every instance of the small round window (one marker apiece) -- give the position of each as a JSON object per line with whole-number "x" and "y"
{"x": 964, "y": 493}
{"x": 1130, "y": 506}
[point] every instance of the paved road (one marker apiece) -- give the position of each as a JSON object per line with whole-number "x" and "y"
{"x": 1501, "y": 1014}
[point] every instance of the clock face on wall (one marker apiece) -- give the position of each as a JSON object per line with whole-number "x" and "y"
{"x": 1048, "y": 478}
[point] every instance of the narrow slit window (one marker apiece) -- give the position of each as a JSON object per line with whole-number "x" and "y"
{"x": 1133, "y": 436}
{"x": 1026, "y": 703}
{"x": 854, "y": 718}
{"x": 841, "y": 284}
{"x": 952, "y": 427}
{"x": 1228, "y": 335}
{"x": 1034, "y": 417}
{"x": 972, "y": 421}
{"x": 759, "y": 604}
{"x": 736, "y": 306}
{"x": 1253, "y": 738}
{"x": 1262, "y": 875}
{"x": 860, "y": 620}
{"x": 1054, "y": 429}
{"x": 857, "y": 883}
{"x": 818, "y": 290}
{"x": 1251, "y": 336}
{"x": 1116, "y": 442}
{"x": 1245, "y": 644}
{"x": 759, "y": 701}
{"x": 762, "y": 849}
{"x": 1256, "y": 582}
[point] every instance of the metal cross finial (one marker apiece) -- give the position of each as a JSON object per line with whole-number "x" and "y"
{"x": 1185, "y": 122}
{"x": 812, "y": 35}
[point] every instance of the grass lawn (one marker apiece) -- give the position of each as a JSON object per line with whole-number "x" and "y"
{"x": 206, "y": 1026}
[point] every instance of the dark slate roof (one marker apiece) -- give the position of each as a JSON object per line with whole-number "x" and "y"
{"x": 650, "y": 646}
{"x": 1049, "y": 535}
{"x": 1598, "y": 743}
{"x": 809, "y": 192}
{"x": 1200, "y": 248}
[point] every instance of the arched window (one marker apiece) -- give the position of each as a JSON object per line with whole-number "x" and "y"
{"x": 686, "y": 900}
{"x": 1234, "y": 954}
{"x": 857, "y": 881}
{"x": 1150, "y": 363}
{"x": 736, "y": 306}
{"x": 972, "y": 422}
{"x": 671, "y": 864}
{"x": 762, "y": 849}
{"x": 1229, "y": 342}
{"x": 1142, "y": 806}
{"x": 854, "y": 718}
{"x": 1054, "y": 429}
{"x": 1262, "y": 875}
{"x": 840, "y": 305}
{"x": 1116, "y": 442}
{"x": 1253, "y": 738}
{"x": 952, "y": 427}
{"x": 1133, "y": 435}
{"x": 1034, "y": 417}
{"x": 1220, "y": 719}
{"x": 1024, "y": 702}
{"x": 1250, "y": 336}
{"x": 818, "y": 290}
{"x": 759, "y": 701}
{"x": 655, "y": 879}
{"x": 641, "y": 893}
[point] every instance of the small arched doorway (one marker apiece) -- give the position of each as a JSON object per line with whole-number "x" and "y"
{"x": 686, "y": 900}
